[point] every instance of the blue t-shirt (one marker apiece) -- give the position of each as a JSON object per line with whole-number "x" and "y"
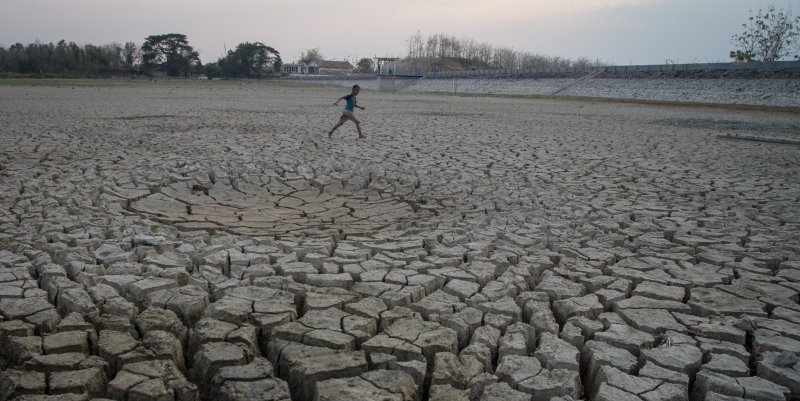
{"x": 351, "y": 102}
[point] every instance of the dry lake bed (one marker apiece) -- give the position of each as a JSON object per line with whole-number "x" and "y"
{"x": 206, "y": 241}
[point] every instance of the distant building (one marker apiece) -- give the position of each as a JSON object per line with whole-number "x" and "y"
{"x": 335, "y": 67}
{"x": 326, "y": 67}
{"x": 297, "y": 68}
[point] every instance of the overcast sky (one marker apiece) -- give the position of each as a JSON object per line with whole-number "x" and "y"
{"x": 615, "y": 31}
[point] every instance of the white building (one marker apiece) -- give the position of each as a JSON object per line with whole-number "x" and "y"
{"x": 295, "y": 68}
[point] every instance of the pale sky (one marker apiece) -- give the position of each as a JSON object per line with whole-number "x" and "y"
{"x": 616, "y": 31}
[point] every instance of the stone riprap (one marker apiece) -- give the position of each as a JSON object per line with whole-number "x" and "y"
{"x": 207, "y": 241}
{"x": 779, "y": 92}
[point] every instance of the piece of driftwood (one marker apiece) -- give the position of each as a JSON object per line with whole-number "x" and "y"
{"x": 784, "y": 141}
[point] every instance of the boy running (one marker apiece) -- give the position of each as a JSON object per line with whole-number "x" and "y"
{"x": 348, "y": 111}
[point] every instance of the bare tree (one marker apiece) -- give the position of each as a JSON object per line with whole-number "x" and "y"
{"x": 415, "y": 45}
{"x": 504, "y": 58}
{"x": 114, "y": 54}
{"x": 467, "y": 52}
{"x": 312, "y": 55}
{"x": 768, "y": 36}
{"x": 131, "y": 55}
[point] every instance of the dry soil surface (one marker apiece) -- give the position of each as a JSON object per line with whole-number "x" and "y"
{"x": 206, "y": 240}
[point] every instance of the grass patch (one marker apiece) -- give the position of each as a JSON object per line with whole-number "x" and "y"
{"x": 63, "y": 81}
{"x": 138, "y": 82}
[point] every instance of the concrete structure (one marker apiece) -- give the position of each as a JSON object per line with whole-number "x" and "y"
{"x": 324, "y": 67}
{"x": 386, "y": 84}
{"x": 386, "y": 65}
{"x": 295, "y": 68}
{"x": 763, "y": 84}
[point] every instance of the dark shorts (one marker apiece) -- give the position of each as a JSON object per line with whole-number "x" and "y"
{"x": 348, "y": 115}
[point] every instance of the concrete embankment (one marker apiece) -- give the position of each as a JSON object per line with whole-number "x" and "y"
{"x": 718, "y": 84}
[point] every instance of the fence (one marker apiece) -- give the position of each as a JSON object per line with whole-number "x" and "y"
{"x": 565, "y": 72}
{"x": 766, "y": 66}
{"x": 350, "y": 77}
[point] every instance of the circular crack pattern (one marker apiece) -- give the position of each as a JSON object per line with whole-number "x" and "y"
{"x": 276, "y": 207}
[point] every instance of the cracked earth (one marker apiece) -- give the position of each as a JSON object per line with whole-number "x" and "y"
{"x": 206, "y": 241}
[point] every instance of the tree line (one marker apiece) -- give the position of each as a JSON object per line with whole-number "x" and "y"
{"x": 168, "y": 53}
{"x": 69, "y": 58}
{"x": 770, "y": 34}
{"x": 468, "y": 52}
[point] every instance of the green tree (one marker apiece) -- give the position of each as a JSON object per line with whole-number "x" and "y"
{"x": 76, "y": 56}
{"x": 250, "y": 60}
{"x": 768, "y": 36}
{"x": 96, "y": 59}
{"x": 21, "y": 55}
{"x": 212, "y": 70}
{"x": 170, "y": 51}
{"x": 62, "y": 58}
{"x": 365, "y": 65}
